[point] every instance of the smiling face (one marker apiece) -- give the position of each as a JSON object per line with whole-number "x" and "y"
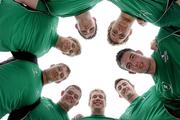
{"x": 71, "y": 96}
{"x": 97, "y": 101}
{"x": 125, "y": 89}
{"x": 135, "y": 62}
{"x": 57, "y": 73}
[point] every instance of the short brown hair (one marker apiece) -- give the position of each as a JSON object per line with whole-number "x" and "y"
{"x": 109, "y": 36}
{"x": 68, "y": 69}
{"x": 75, "y": 86}
{"x": 90, "y": 37}
{"x": 77, "y": 43}
{"x": 120, "y": 55}
{"x": 120, "y": 79}
{"x": 99, "y": 90}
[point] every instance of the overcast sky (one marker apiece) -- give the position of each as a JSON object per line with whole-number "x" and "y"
{"x": 96, "y": 66}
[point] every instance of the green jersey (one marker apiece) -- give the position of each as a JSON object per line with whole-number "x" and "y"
{"x": 159, "y": 12}
{"x": 167, "y": 58}
{"x": 65, "y": 8}
{"x": 97, "y": 117}
{"x": 47, "y": 110}
{"x": 26, "y": 30}
{"x": 20, "y": 85}
{"x": 147, "y": 107}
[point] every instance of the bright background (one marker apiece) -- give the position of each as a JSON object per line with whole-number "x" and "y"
{"x": 96, "y": 66}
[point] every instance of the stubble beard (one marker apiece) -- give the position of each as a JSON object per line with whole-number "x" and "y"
{"x": 149, "y": 66}
{"x": 98, "y": 111}
{"x": 48, "y": 77}
{"x": 129, "y": 96}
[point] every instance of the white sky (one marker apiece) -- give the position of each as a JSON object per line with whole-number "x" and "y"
{"x": 96, "y": 66}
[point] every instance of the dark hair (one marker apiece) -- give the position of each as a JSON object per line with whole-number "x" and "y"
{"x": 90, "y": 37}
{"x": 120, "y": 55}
{"x": 109, "y": 37}
{"x": 120, "y": 79}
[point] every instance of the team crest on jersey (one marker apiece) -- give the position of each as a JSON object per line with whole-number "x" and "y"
{"x": 164, "y": 56}
{"x": 166, "y": 86}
